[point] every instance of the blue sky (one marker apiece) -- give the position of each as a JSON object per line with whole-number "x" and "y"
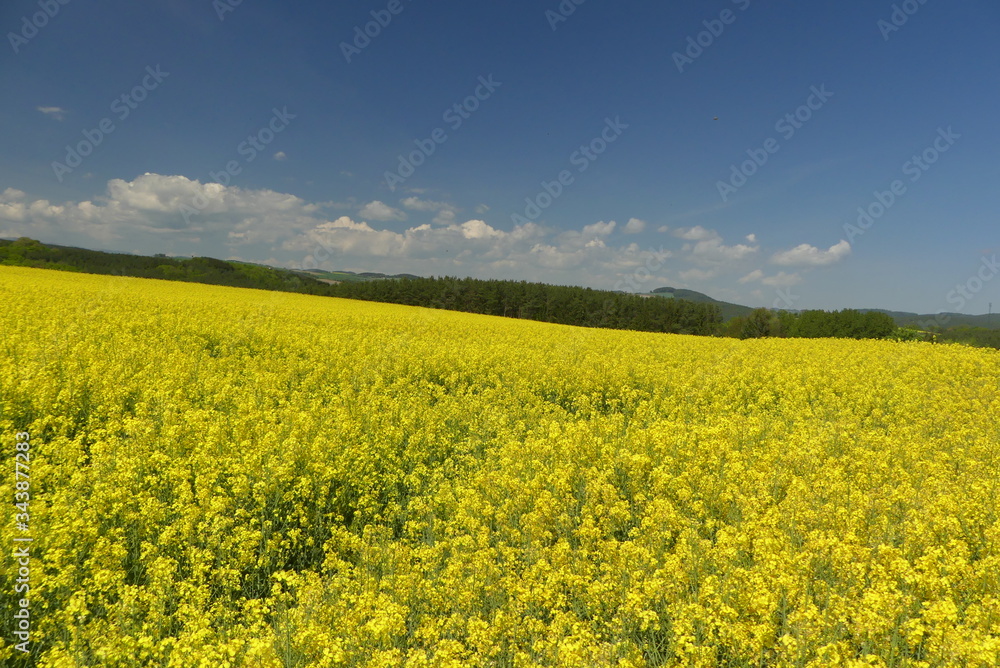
{"x": 164, "y": 96}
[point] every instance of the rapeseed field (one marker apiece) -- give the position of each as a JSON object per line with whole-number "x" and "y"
{"x": 223, "y": 478}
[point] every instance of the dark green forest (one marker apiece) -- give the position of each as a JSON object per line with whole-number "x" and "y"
{"x": 846, "y": 324}
{"x": 546, "y": 303}
{"x": 980, "y": 337}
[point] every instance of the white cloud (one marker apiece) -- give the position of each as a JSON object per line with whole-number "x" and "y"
{"x": 600, "y": 229}
{"x": 165, "y": 206}
{"x": 481, "y": 209}
{"x": 779, "y": 280}
{"x": 173, "y": 214}
{"x": 58, "y": 113}
{"x": 477, "y": 229}
{"x": 663, "y": 228}
{"x": 752, "y": 238}
{"x": 635, "y": 226}
{"x": 805, "y": 255}
{"x": 782, "y": 280}
{"x": 713, "y": 251}
{"x": 381, "y": 212}
{"x": 280, "y": 156}
{"x": 710, "y": 248}
{"x": 446, "y": 214}
{"x": 417, "y": 204}
{"x": 696, "y": 233}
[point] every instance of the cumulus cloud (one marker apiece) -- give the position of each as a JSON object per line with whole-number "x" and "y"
{"x": 779, "y": 280}
{"x": 805, "y": 255}
{"x": 696, "y": 233}
{"x": 477, "y": 229}
{"x": 381, "y": 212}
{"x": 181, "y": 216}
{"x": 782, "y": 280}
{"x": 474, "y": 239}
{"x": 714, "y": 251}
{"x": 600, "y": 229}
{"x": 169, "y": 207}
{"x": 635, "y": 226}
{"x": 446, "y": 214}
{"x": 709, "y": 248}
{"x": 417, "y": 204}
{"x": 280, "y": 156}
{"x": 580, "y": 243}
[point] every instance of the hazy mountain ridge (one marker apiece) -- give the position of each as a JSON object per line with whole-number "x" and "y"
{"x": 728, "y": 309}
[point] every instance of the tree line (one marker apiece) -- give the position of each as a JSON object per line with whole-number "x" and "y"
{"x": 979, "y": 337}
{"x": 846, "y": 324}
{"x": 564, "y": 305}
{"x": 27, "y": 252}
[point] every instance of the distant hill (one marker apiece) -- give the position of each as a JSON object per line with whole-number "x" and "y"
{"x": 902, "y": 318}
{"x": 906, "y": 319}
{"x": 350, "y": 276}
{"x": 728, "y": 310}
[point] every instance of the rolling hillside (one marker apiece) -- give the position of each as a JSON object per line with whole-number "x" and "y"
{"x": 728, "y": 310}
